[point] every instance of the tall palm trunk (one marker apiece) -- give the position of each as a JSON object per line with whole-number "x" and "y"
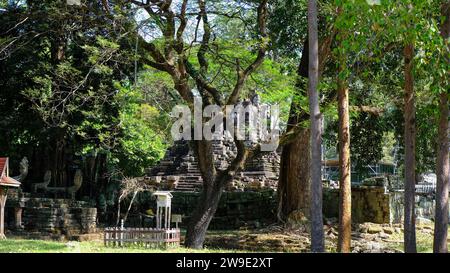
{"x": 410, "y": 152}
{"x": 442, "y": 161}
{"x": 317, "y": 236}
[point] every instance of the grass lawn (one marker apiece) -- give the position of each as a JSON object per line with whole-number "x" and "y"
{"x": 424, "y": 240}
{"x": 17, "y": 245}
{"x": 40, "y": 246}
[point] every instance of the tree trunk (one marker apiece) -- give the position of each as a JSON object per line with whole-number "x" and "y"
{"x": 345, "y": 194}
{"x": 213, "y": 185}
{"x": 203, "y": 214}
{"x": 209, "y": 198}
{"x": 59, "y": 162}
{"x": 442, "y": 161}
{"x": 294, "y": 182}
{"x": 317, "y": 236}
{"x": 410, "y": 152}
{"x": 443, "y": 177}
{"x": 129, "y": 206}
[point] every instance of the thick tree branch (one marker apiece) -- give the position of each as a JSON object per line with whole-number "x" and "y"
{"x": 243, "y": 75}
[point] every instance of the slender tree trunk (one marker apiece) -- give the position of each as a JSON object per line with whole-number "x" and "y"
{"x": 59, "y": 170}
{"x": 317, "y": 236}
{"x": 442, "y": 161}
{"x": 443, "y": 177}
{"x": 345, "y": 194}
{"x": 129, "y": 206}
{"x": 410, "y": 152}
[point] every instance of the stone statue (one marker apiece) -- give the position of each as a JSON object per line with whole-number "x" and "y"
{"x": 255, "y": 99}
{"x": 77, "y": 181}
{"x": 43, "y": 185}
{"x": 23, "y": 170}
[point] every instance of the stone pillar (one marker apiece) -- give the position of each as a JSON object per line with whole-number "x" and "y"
{"x": 2, "y": 212}
{"x": 18, "y": 217}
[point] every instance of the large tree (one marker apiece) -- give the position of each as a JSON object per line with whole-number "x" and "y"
{"x": 60, "y": 64}
{"x": 171, "y": 54}
{"x": 68, "y": 100}
{"x": 288, "y": 27}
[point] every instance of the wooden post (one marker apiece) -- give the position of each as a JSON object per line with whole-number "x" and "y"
{"x": 18, "y": 217}
{"x": 105, "y": 237}
{"x": 121, "y": 233}
{"x": 165, "y": 217}
{"x": 169, "y": 216}
{"x": 3, "y": 192}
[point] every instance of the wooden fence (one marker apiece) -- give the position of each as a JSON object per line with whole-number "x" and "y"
{"x": 146, "y": 237}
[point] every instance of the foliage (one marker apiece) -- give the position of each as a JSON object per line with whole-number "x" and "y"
{"x": 141, "y": 146}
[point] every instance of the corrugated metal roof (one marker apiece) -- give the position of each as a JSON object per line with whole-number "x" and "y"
{"x": 3, "y": 165}
{"x": 5, "y": 180}
{"x": 10, "y": 182}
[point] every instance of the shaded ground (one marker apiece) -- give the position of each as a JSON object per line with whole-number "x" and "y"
{"x": 372, "y": 238}
{"x": 366, "y": 238}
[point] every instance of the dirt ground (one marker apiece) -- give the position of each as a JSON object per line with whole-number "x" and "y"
{"x": 366, "y": 238}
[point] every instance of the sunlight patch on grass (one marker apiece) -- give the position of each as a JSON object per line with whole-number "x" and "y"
{"x": 40, "y": 246}
{"x": 424, "y": 241}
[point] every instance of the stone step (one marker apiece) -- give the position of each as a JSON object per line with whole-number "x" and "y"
{"x": 192, "y": 185}
{"x": 190, "y": 178}
{"x": 187, "y": 186}
{"x": 192, "y": 182}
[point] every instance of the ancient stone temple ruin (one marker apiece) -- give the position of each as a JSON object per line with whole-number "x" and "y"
{"x": 179, "y": 170}
{"x": 249, "y": 200}
{"x": 252, "y": 195}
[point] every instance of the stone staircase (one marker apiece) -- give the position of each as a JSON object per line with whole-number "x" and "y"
{"x": 179, "y": 170}
{"x": 191, "y": 179}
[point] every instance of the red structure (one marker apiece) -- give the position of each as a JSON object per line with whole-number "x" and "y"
{"x": 6, "y": 182}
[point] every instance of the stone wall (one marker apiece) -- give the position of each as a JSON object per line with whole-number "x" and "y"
{"x": 369, "y": 204}
{"x": 67, "y": 221}
{"x": 56, "y": 216}
{"x": 374, "y": 204}
{"x": 425, "y": 206}
{"x": 236, "y": 209}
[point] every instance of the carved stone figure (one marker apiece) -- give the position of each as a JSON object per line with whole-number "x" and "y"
{"x": 43, "y": 185}
{"x": 23, "y": 170}
{"x": 77, "y": 181}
